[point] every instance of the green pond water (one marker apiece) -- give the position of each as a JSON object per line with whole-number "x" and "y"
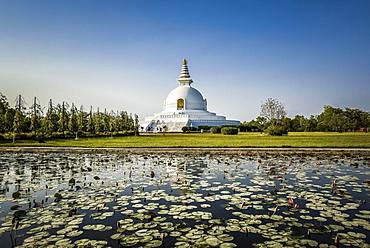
{"x": 110, "y": 200}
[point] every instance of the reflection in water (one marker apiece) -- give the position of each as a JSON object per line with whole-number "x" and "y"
{"x": 154, "y": 200}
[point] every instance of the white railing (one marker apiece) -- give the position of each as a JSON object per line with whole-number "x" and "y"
{"x": 175, "y": 116}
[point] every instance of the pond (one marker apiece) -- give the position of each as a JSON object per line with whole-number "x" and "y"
{"x": 100, "y": 200}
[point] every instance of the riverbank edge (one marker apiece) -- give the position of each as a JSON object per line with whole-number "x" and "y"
{"x": 191, "y": 150}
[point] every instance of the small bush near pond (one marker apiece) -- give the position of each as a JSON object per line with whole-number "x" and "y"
{"x": 215, "y": 129}
{"x": 229, "y": 130}
{"x": 276, "y": 130}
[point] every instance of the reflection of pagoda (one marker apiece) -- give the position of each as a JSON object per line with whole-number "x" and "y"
{"x": 184, "y": 106}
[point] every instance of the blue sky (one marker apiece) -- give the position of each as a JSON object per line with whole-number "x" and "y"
{"x": 127, "y": 54}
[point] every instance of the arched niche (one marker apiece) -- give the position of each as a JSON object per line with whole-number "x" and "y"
{"x": 180, "y": 104}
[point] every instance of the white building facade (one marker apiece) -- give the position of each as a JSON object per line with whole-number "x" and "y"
{"x": 184, "y": 106}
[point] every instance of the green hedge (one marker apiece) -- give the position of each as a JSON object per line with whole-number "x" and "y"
{"x": 204, "y": 128}
{"x": 186, "y": 129}
{"x": 276, "y": 130}
{"x": 229, "y": 130}
{"x": 215, "y": 129}
{"x": 66, "y": 135}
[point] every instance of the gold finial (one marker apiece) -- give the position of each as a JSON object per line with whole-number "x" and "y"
{"x": 184, "y": 62}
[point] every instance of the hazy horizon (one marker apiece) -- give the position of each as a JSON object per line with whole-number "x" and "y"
{"x": 126, "y": 55}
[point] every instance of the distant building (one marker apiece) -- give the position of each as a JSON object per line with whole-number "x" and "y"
{"x": 184, "y": 106}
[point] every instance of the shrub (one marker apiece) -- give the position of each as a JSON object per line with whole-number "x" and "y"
{"x": 19, "y": 136}
{"x": 189, "y": 129}
{"x": 125, "y": 133}
{"x": 229, "y": 130}
{"x": 215, "y": 130}
{"x": 193, "y": 129}
{"x": 69, "y": 134}
{"x": 243, "y": 128}
{"x": 204, "y": 128}
{"x": 276, "y": 130}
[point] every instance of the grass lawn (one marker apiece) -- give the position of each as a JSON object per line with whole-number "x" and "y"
{"x": 294, "y": 139}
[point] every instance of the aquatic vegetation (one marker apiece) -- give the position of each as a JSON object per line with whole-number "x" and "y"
{"x": 81, "y": 200}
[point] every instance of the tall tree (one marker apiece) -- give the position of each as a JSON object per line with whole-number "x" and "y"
{"x": 36, "y": 114}
{"x": 19, "y": 117}
{"x": 63, "y": 118}
{"x": 297, "y": 123}
{"x": 310, "y": 124}
{"x": 81, "y": 120}
{"x": 355, "y": 117}
{"x": 333, "y": 119}
{"x": 73, "y": 121}
{"x": 365, "y": 120}
{"x": 51, "y": 119}
{"x": 17, "y": 123}
{"x": 131, "y": 123}
{"x": 112, "y": 123}
{"x": 124, "y": 121}
{"x": 105, "y": 121}
{"x": 136, "y": 124}
{"x": 20, "y": 103}
{"x": 117, "y": 122}
{"x": 4, "y": 105}
{"x": 8, "y": 120}
{"x": 98, "y": 121}
{"x": 286, "y": 122}
{"x": 90, "y": 122}
{"x": 273, "y": 111}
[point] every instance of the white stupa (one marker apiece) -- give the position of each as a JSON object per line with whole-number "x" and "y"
{"x": 184, "y": 106}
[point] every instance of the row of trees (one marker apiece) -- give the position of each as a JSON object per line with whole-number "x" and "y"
{"x": 62, "y": 120}
{"x": 331, "y": 119}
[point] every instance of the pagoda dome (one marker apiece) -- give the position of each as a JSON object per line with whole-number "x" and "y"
{"x": 185, "y": 97}
{"x": 191, "y": 98}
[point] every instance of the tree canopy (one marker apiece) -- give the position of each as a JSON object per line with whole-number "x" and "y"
{"x": 331, "y": 119}
{"x": 62, "y": 120}
{"x": 273, "y": 110}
